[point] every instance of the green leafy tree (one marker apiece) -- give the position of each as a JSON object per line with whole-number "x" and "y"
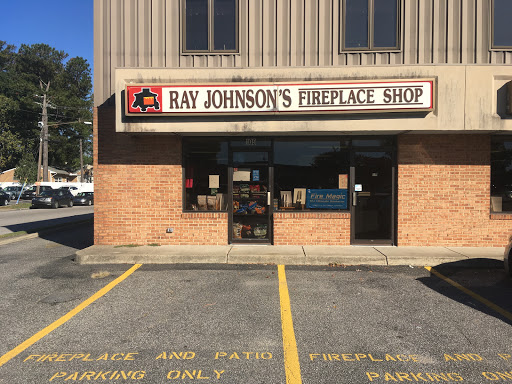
{"x": 69, "y": 102}
{"x": 10, "y": 143}
{"x": 26, "y": 170}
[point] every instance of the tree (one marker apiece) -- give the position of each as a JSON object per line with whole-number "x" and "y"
{"x": 70, "y": 101}
{"x": 10, "y": 143}
{"x": 26, "y": 170}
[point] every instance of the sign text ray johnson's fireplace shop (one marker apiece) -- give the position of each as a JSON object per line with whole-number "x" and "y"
{"x": 254, "y": 179}
{"x": 279, "y": 98}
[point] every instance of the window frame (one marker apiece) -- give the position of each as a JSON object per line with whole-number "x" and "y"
{"x": 494, "y": 139}
{"x": 492, "y": 46}
{"x": 210, "y": 50}
{"x": 371, "y": 48}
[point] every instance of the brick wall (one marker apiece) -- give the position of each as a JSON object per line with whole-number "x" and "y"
{"x": 311, "y": 228}
{"x": 138, "y": 191}
{"x": 443, "y": 195}
{"x": 444, "y": 192}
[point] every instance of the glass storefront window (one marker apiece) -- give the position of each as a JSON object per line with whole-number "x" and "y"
{"x": 307, "y": 168}
{"x": 501, "y": 174}
{"x": 206, "y": 174}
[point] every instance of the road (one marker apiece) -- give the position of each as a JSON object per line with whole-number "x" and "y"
{"x": 33, "y": 219}
{"x": 245, "y": 323}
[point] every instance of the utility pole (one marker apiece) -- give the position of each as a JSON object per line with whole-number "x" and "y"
{"x": 39, "y": 161}
{"x": 45, "y": 131}
{"x": 81, "y": 163}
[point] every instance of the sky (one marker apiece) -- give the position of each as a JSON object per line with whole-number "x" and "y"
{"x": 66, "y": 25}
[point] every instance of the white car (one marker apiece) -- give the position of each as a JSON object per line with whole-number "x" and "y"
{"x": 74, "y": 190}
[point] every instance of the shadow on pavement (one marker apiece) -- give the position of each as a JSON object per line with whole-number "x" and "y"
{"x": 78, "y": 236}
{"x": 484, "y": 277}
{"x": 35, "y": 226}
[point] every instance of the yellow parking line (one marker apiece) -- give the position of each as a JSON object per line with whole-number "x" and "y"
{"x": 38, "y": 336}
{"x": 291, "y": 356}
{"x": 475, "y": 296}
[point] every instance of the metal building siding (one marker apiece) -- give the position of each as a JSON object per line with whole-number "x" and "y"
{"x": 147, "y": 33}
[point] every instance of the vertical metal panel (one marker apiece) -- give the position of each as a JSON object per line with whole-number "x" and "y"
{"x": 482, "y": 32}
{"x": 411, "y": 32}
{"x": 324, "y": 32}
{"x": 255, "y": 33}
{"x": 297, "y": 32}
{"x": 172, "y": 34}
{"x": 144, "y": 36}
{"x": 158, "y": 36}
{"x": 241, "y": 60}
{"x": 283, "y": 46}
{"x": 335, "y": 19}
{"x": 382, "y": 58}
{"x": 268, "y": 12}
{"x": 398, "y": 57}
{"x": 213, "y": 61}
{"x": 425, "y": 13}
{"x": 131, "y": 34}
{"x": 439, "y": 36}
{"x": 368, "y": 58}
{"x": 117, "y": 34}
{"x": 311, "y": 32}
{"x": 102, "y": 58}
{"x": 201, "y": 61}
{"x": 468, "y": 32}
{"x": 454, "y": 28}
{"x": 353, "y": 58}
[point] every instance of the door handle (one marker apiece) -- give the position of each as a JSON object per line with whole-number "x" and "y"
{"x": 268, "y": 198}
{"x": 354, "y": 198}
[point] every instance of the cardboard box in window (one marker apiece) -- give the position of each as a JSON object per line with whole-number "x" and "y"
{"x": 211, "y": 201}
{"x": 220, "y": 202}
{"x": 496, "y": 204}
{"x": 202, "y": 203}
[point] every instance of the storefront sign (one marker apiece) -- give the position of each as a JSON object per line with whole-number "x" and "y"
{"x": 277, "y": 98}
{"x": 326, "y": 198}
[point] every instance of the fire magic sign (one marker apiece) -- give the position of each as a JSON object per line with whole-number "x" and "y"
{"x": 280, "y": 98}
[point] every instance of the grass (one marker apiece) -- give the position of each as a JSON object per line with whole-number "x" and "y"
{"x": 128, "y": 246}
{"x": 15, "y": 207}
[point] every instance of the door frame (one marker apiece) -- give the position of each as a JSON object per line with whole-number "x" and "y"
{"x": 270, "y": 229}
{"x": 393, "y": 219}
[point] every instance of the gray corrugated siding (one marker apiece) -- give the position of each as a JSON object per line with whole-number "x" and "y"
{"x": 147, "y": 33}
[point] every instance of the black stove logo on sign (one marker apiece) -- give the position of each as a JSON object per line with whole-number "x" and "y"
{"x": 146, "y": 99}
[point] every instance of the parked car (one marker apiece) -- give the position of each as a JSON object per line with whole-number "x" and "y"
{"x": 4, "y": 198}
{"x": 54, "y": 198}
{"x": 73, "y": 190}
{"x": 13, "y": 191}
{"x": 30, "y": 193}
{"x": 508, "y": 257}
{"x": 84, "y": 198}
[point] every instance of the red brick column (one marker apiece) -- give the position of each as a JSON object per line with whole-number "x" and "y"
{"x": 444, "y": 192}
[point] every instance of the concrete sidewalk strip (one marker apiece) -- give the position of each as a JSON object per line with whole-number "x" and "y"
{"x": 494, "y": 253}
{"x": 343, "y": 255}
{"x": 164, "y": 254}
{"x": 420, "y": 256}
{"x": 267, "y": 254}
{"x": 285, "y": 254}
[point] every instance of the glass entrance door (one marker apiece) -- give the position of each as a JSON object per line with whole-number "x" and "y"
{"x": 372, "y": 198}
{"x": 250, "y": 211}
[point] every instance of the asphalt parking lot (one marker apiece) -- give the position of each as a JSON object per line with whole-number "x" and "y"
{"x": 248, "y": 323}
